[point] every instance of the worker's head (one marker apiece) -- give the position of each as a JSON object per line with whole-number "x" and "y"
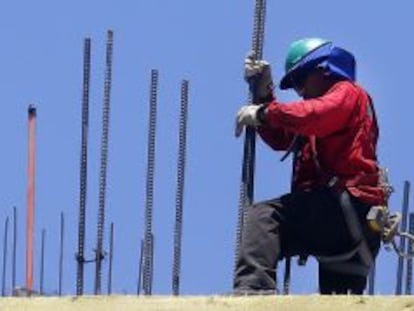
{"x": 313, "y": 65}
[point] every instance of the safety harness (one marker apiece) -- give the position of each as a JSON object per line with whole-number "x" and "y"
{"x": 379, "y": 219}
{"x": 342, "y": 262}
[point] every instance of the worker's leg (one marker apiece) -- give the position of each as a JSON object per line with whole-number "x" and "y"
{"x": 284, "y": 226}
{"x": 259, "y": 250}
{"x": 340, "y": 283}
{"x": 353, "y": 281}
{"x": 335, "y": 283}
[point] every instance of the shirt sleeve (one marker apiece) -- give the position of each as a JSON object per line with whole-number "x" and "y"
{"x": 277, "y": 138}
{"x": 319, "y": 116}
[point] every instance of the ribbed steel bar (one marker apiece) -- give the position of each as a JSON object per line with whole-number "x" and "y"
{"x": 5, "y": 246}
{"x": 286, "y": 277}
{"x": 147, "y": 275}
{"x": 83, "y": 166}
{"x": 182, "y": 143}
{"x": 296, "y": 146}
{"x": 42, "y": 263}
{"x": 151, "y": 269}
{"x": 371, "y": 280}
{"x": 61, "y": 246}
{"x": 259, "y": 29}
{"x": 249, "y": 151}
{"x": 140, "y": 267}
{"x": 104, "y": 159}
{"x": 111, "y": 257}
{"x": 409, "y": 276}
{"x": 402, "y": 246}
{"x": 14, "y": 246}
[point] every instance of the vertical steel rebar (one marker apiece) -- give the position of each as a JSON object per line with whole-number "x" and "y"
{"x": 182, "y": 142}
{"x": 151, "y": 269}
{"x": 83, "y": 166}
{"x": 296, "y": 146}
{"x": 42, "y": 263}
{"x": 371, "y": 280}
{"x": 147, "y": 271}
{"x": 111, "y": 257}
{"x": 402, "y": 246}
{"x": 288, "y": 259}
{"x": 247, "y": 181}
{"x": 5, "y": 246}
{"x": 409, "y": 276}
{"x": 286, "y": 277}
{"x": 62, "y": 240}
{"x": 13, "y": 285}
{"x": 104, "y": 158}
{"x": 30, "y": 199}
{"x": 140, "y": 268}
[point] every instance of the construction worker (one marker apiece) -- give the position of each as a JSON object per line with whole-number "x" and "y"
{"x": 332, "y": 133}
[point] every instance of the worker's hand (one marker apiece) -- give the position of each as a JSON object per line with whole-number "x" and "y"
{"x": 259, "y": 76}
{"x": 248, "y": 115}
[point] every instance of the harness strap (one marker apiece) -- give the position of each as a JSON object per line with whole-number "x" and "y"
{"x": 339, "y": 258}
{"x": 354, "y": 226}
{"x": 340, "y": 183}
{"x": 339, "y": 263}
{"x": 347, "y": 268}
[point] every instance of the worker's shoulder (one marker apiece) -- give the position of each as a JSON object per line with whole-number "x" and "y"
{"x": 346, "y": 85}
{"x": 348, "y": 89}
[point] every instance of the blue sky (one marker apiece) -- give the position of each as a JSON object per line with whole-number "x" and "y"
{"x": 204, "y": 42}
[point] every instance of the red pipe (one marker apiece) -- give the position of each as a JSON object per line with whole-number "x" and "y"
{"x": 30, "y": 199}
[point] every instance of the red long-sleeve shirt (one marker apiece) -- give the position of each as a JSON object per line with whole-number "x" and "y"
{"x": 340, "y": 134}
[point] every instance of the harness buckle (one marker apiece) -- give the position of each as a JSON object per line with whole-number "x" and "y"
{"x": 332, "y": 181}
{"x": 382, "y": 221}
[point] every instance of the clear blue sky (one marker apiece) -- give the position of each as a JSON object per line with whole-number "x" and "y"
{"x": 205, "y": 42}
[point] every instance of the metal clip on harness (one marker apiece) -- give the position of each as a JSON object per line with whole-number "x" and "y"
{"x": 381, "y": 220}
{"x": 390, "y": 232}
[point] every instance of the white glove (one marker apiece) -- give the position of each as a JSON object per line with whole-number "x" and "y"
{"x": 247, "y": 116}
{"x": 259, "y": 75}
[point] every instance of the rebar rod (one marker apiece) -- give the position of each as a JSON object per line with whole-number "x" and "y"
{"x": 104, "y": 159}
{"x": 5, "y": 245}
{"x": 409, "y": 276}
{"x": 140, "y": 267}
{"x": 295, "y": 150}
{"x": 371, "y": 280}
{"x": 14, "y": 250}
{"x": 182, "y": 142}
{"x": 83, "y": 166}
{"x": 147, "y": 274}
{"x": 286, "y": 277}
{"x": 151, "y": 269}
{"x": 402, "y": 246}
{"x": 111, "y": 257}
{"x": 62, "y": 240}
{"x": 247, "y": 181}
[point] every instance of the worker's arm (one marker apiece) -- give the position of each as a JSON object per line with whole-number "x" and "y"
{"x": 319, "y": 116}
{"x": 277, "y": 138}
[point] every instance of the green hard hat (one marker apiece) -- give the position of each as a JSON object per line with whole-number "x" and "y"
{"x": 297, "y": 51}
{"x": 300, "y": 48}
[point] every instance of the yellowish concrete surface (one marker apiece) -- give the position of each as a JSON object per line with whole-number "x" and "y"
{"x": 213, "y": 303}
